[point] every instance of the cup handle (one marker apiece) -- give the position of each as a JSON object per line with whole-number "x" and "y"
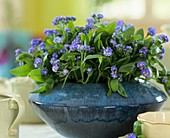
{"x": 12, "y": 131}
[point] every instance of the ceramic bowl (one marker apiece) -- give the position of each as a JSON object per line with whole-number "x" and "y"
{"x": 155, "y": 124}
{"x": 84, "y": 111}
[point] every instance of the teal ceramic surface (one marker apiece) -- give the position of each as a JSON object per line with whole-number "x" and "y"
{"x": 84, "y": 111}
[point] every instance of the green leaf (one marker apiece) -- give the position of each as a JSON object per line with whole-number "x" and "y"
{"x": 86, "y": 41}
{"x": 67, "y": 55}
{"x": 82, "y": 37}
{"x": 134, "y": 38}
{"x": 121, "y": 90}
{"x": 148, "y": 42}
{"x": 21, "y": 71}
{"x": 156, "y": 72}
{"x": 140, "y": 32}
{"x": 71, "y": 26}
{"x": 155, "y": 50}
{"x": 162, "y": 66}
{"x": 92, "y": 57}
{"x": 110, "y": 28}
{"x": 48, "y": 41}
{"x": 137, "y": 128}
{"x": 127, "y": 68}
{"x": 90, "y": 34}
{"x": 41, "y": 88}
{"x": 49, "y": 85}
{"x": 25, "y": 57}
{"x": 114, "y": 85}
{"x": 128, "y": 33}
{"x": 36, "y": 75}
{"x": 123, "y": 60}
{"x": 110, "y": 90}
{"x": 141, "y": 136}
{"x": 75, "y": 68}
{"x": 97, "y": 37}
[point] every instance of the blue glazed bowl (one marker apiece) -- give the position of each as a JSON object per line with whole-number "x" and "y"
{"x": 84, "y": 111}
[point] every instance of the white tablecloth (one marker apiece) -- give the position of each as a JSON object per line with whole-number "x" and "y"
{"x": 37, "y": 131}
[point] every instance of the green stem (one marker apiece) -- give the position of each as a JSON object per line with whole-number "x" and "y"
{"x": 81, "y": 67}
{"x": 87, "y": 79}
{"x": 76, "y": 76}
{"x": 98, "y": 77}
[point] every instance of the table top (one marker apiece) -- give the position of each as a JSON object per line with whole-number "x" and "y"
{"x": 37, "y": 131}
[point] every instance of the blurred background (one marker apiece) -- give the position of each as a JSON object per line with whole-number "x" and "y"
{"x": 22, "y": 20}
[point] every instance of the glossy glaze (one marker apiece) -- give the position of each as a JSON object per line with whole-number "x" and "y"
{"x": 84, "y": 111}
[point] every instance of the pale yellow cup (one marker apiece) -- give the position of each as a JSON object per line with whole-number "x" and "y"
{"x": 12, "y": 109}
{"x": 23, "y": 86}
{"x": 155, "y": 124}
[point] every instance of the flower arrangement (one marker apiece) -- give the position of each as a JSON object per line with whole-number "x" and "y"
{"x": 99, "y": 52}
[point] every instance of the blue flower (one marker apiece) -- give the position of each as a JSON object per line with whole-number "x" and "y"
{"x": 49, "y": 32}
{"x": 168, "y": 91}
{"x": 76, "y": 45}
{"x": 55, "y": 55}
{"x": 70, "y": 18}
{"x": 31, "y": 50}
{"x": 55, "y": 68}
{"x": 37, "y": 62}
{"x": 100, "y": 16}
{"x": 65, "y": 72}
{"x": 90, "y": 20}
{"x": 54, "y": 61}
{"x": 118, "y": 46}
{"x": 67, "y": 30}
{"x": 131, "y": 135}
{"x": 113, "y": 68}
{"x": 107, "y": 52}
{"x": 119, "y": 25}
{"x": 105, "y": 23}
{"x": 164, "y": 79}
{"x": 89, "y": 25}
{"x": 21, "y": 63}
{"x": 145, "y": 72}
{"x": 153, "y": 40}
{"x": 114, "y": 72}
{"x": 72, "y": 47}
{"x": 61, "y": 51}
{"x": 58, "y": 20}
{"x": 88, "y": 48}
{"x": 35, "y": 42}
{"x": 18, "y": 51}
{"x": 163, "y": 50}
{"x": 143, "y": 51}
{"x": 45, "y": 53}
{"x": 151, "y": 31}
{"x": 161, "y": 56}
{"x": 127, "y": 27}
{"x": 62, "y": 19}
{"x": 163, "y": 37}
{"x": 93, "y": 15}
{"x": 77, "y": 58}
{"x": 44, "y": 71}
{"x": 141, "y": 65}
{"x": 84, "y": 29}
{"x": 128, "y": 49}
{"x": 58, "y": 40}
{"x": 42, "y": 46}
{"x": 89, "y": 70}
{"x": 80, "y": 47}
